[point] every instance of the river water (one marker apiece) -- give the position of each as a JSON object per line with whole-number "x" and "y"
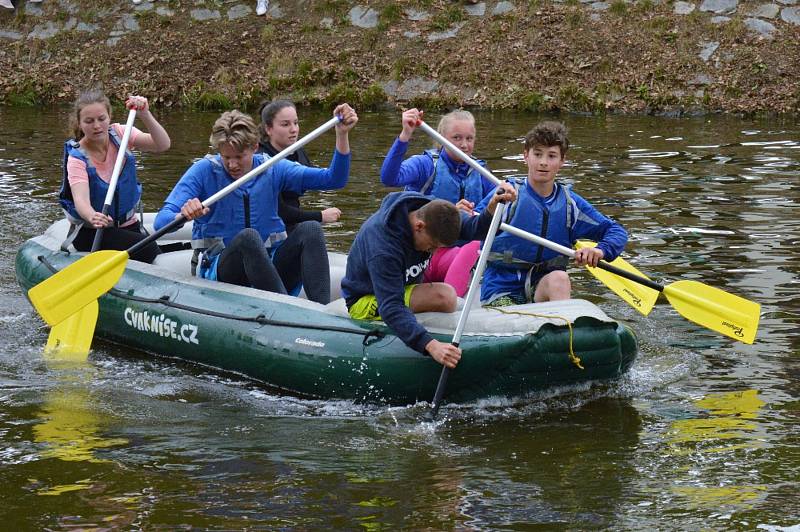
{"x": 702, "y": 433}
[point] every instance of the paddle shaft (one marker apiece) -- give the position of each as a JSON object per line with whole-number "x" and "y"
{"x": 524, "y": 234}
{"x": 180, "y": 220}
{"x": 112, "y": 185}
{"x": 570, "y": 253}
{"x": 441, "y": 387}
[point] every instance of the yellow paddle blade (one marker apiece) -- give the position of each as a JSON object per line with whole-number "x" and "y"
{"x": 640, "y": 297}
{"x": 716, "y": 309}
{"x": 72, "y": 338}
{"x": 77, "y": 285}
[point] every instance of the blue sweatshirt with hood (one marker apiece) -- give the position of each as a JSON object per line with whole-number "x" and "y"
{"x": 383, "y": 260}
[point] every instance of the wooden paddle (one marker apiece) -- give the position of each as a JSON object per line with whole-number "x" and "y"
{"x": 74, "y": 334}
{"x": 710, "y": 307}
{"x": 639, "y": 297}
{"x": 61, "y": 295}
{"x": 474, "y": 288}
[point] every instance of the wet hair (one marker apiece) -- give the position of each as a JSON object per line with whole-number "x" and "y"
{"x": 267, "y": 112}
{"x": 234, "y": 128}
{"x": 84, "y": 99}
{"x": 547, "y": 134}
{"x": 442, "y": 221}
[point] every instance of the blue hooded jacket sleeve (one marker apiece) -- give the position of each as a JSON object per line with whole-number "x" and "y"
{"x": 387, "y": 273}
{"x": 189, "y": 186}
{"x": 413, "y": 172}
{"x": 299, "y": 178}
{"x": 593, "y": 225}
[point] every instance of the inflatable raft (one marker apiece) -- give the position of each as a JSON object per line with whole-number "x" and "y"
{"x": 318, "y": 351}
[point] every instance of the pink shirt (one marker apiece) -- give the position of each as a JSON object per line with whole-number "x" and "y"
{"x": 76, "y": 169}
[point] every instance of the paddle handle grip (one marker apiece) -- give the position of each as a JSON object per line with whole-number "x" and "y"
{"x": 570, "y": 253}
{"x": 112, "y": 185}
{"x": 180, "y": 220}
{"x": 629, "y": 275}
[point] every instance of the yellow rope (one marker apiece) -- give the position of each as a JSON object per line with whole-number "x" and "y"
{"x": 572, "y": 356}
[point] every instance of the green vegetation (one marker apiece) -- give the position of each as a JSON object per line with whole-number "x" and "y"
{"x": 330, "y": 7}
{"x": 532, "y": 101}
{"x": 571, "y": 97}
{"x": 207, "y": 100}
{"x": 445, "y": 19}
{"x": 267, "y": 33}
{"x": 389, "y": 15}
{"x": 405, "y": 67}
{"x": 575, "y": 18}
{"x": 25, "y": 97}
{"x": 619, "y": 8}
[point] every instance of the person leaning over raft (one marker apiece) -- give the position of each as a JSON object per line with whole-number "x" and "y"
{"x": 519, "y": 271}
{"x": 443, "y": 175}
{"x": 89, "y": 159}
{"x": 279, "y": 129}
{"x": 389, "y": 254}
{"x": 243, "y": 238}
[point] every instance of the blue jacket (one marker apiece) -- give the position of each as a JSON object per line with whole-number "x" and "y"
{"x": 126, "y": 196}
{"x": 227, "y": 217}
{"x": 451, "y": 182}
{"x": 563, "y": 218}
{"x": 382, "y": 261}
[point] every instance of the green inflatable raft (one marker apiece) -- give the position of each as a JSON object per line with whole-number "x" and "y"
{"x": 317, "y": 351}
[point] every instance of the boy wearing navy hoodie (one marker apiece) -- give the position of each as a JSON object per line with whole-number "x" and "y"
{"x": 390, "y": 254}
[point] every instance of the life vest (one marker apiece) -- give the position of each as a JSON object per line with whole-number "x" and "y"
{"x": 530, "y": 213}
{"x": 253, "y": 204}
{"x": 126, "y": 196}
{"x": 443, "y": 184}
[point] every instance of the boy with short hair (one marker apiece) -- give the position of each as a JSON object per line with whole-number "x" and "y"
{"x": 390, "y": 254}
{"x": 519, "y": 271}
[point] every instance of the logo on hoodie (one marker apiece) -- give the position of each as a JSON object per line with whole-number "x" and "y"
{"x": 412, "y": 272}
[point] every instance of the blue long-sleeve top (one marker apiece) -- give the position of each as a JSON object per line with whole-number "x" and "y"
{"x": 383, "y": 260}
{"x": 415, "y": 171}
{"x": 207, "y": 176}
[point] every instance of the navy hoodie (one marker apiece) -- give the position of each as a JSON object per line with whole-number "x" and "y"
{"x": 382, "y": 261}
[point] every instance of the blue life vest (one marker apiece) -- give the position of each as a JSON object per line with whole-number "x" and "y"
{"x": 227, "y": 217}
{"x": 443, "y": 184}
{"x": 530, "y": 213}
{"x": 126, "y": 196}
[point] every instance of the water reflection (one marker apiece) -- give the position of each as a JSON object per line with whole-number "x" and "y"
{"x": 71, "y": 426}
{"x": 726, "y": 426}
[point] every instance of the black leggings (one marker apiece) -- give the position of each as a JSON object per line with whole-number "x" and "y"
{"x": 118, "y": 238}
{"x": 302, "y": 257}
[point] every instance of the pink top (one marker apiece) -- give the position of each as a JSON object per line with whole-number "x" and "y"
{"x": 76, "y": 169}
